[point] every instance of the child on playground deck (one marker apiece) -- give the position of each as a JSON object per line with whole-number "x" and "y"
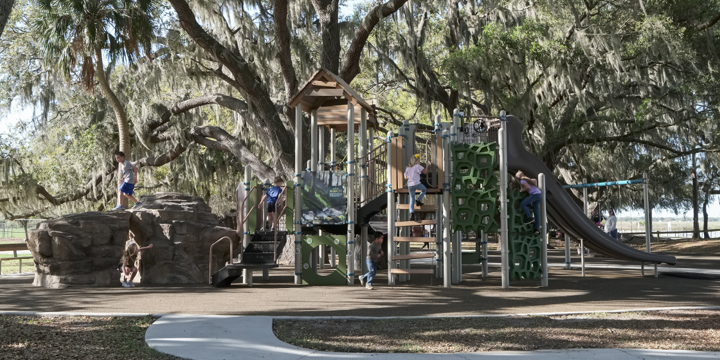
{"x": 272, "y": 198}
{"x": 129, "y": 269}
{"x": 412, "y": 175}
{"x": 127, "y": 183}
{"x": 374, "y": 253}
{"x": 533, "y": 198}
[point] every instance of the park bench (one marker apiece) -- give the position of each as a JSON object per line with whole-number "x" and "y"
{"x": 14, "y": 247}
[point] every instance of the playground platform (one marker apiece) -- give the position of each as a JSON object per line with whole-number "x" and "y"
{"x": 609, "y": 288}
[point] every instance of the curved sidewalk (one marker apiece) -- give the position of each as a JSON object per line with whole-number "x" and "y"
{"x": 251, "y": 337}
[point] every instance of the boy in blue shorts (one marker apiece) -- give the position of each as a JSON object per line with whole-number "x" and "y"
{"x": 127, "y": 182}
{"x": 272, "y": 198}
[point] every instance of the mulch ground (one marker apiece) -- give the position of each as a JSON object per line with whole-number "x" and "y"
{"x": 666, "y": 330}
{"x": 34, "y": 337}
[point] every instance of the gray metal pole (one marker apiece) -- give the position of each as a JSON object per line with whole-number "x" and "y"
{"x": 333, "y": 255}
{"x": 402, "y": 199}
{"x": 391, "y": 211}
{"x": 351, "y": 193}
{"x": 582, "y": 256}
{"x": 363, "y": 187}
{"x": 504, "y": 241}
{"x": 568, "y": 258}
{"x": 457, "y": 238}
{"x": 585, "y": 198}
{"x": 321, "y": 149}
{"x": 543, "y": 231}
{"x": 266, "y": 186}
{"x": 648, "y": 217}
{"x": 447, "y": 235}
{"x": 484, "y": 238}
{"x": 332, "y": 149}
{"x": 313, "y": 141}
{"x": 298, "y": 199}
{"x": 439, "y": 268}
{"x": 247, "y": 273}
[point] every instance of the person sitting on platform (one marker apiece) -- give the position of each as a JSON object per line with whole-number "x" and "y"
{"x": 272, "y": 198}
{"x": 533, "y": 198}
{"x": 611, "y": 225}
{"x": 412, "y": 174}
{"x": 374, "y": 253}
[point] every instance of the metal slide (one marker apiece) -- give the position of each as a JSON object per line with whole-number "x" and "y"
{"x": 561, "y": 208}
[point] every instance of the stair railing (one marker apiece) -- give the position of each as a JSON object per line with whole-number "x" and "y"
{"x": 376, "y": 163}
{"x": 210, "y": 255}
{"x": 276, "y": 220}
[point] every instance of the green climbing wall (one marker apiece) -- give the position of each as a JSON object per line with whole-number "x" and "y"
{"x": 525, "y": 246}
{"x": 310, "y": 276}
{"x": 474, "y": 187}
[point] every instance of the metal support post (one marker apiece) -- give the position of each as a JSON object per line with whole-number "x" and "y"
{"x": 247, "y": 274}
{"x": 568, "y": 259}
{"x": 363, "y": 187}
{"x": 504, "y": 241}
{"x": 582, "y": 256}
{"x": 390, "y": 211}
{"x": 402, "y": 199}
{"x": 648, "y": 217}
{"x": 585, "y": 198}
{"x": 457, "y": 238}
{"x": 484, "y": 239}
{"x": 543, "y": 231}
{"x": 438, "y": 217}
{"x": 321, "y": 149}
{"x": 351, "y": 193}
{"x": 297, "y": 223}
{"x": 447, "y": 237}
{"x": 313, "y": 141}
{"x": 332, "y": 150}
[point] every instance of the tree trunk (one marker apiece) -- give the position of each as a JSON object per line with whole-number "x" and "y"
{"x": 696, "y": 224}
{"x": 705, "y": 216}
{"x": 5, "y": 10}
{"x": 120, "y": 114}
{"x": 327, "y": 11}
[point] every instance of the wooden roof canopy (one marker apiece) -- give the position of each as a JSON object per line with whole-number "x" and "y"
{"x": 329, "y": 95}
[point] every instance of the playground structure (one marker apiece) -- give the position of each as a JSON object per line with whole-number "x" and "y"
{"x": 332, "y": 205}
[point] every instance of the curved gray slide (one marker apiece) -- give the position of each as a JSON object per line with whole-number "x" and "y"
{"x": 561, "y": 208}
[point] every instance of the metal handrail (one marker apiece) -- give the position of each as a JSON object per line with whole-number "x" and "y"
{"x": 210, "y": 255}
{"x": 376, "y": 164}
{"x": 276, "y": 221}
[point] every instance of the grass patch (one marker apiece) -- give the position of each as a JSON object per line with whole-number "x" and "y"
{"x": 667, "y": 330}
{"x": 35, "y": 337}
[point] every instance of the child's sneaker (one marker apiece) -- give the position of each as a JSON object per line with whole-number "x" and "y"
{"x": 130, "y": 284}
{"x": 124, "y": 284}
{"x": 369, "y": 287}
{"x": 362, "y": 281}
{"x": 119, "y": 207}
{"x": 420, "y": 203}
{"x": 529, "y": 220}
{"x": 137, "y": 205}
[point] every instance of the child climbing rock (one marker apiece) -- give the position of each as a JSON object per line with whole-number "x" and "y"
{"x": 129, "y": 269}
{"x": 533, "y": 198}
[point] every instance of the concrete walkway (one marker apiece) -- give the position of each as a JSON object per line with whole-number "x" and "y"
{"x": 251, "y": 337}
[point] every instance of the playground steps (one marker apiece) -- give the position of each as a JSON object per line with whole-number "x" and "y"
{"x": 415, "y": 223}
{"x": 259, "y": 254}
{"x": 412, "y": 271}
{"x": 424, "y": 208}
{"x": 413, "y": 239}
{"x": 414, "y": 256}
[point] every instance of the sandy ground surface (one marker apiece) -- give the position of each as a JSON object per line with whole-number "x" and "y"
{"x": 568, "y": 291}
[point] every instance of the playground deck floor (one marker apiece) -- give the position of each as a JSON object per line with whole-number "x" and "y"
{"x": 601, "y": 289}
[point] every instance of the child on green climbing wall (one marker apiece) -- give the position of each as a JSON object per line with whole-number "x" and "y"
{"x": 533, "y": 198}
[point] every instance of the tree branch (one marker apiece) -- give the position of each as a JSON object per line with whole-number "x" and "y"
{"x": 709, "y": 23}
{"x": 226, "y": 142}
{"x": 351, "y": 63}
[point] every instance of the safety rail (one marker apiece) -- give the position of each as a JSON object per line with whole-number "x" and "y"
{"x": 210, "y": 256}
{"x": 376, "y": 175}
